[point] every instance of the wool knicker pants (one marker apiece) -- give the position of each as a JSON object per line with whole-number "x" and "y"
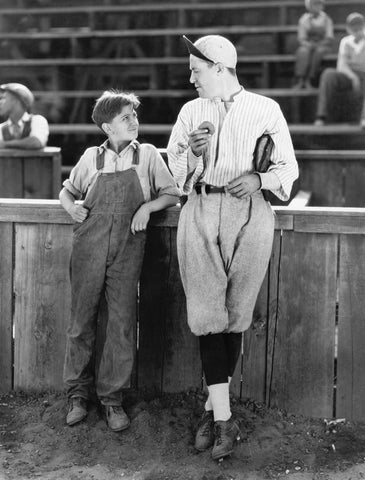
{"x": 224, "y": 246}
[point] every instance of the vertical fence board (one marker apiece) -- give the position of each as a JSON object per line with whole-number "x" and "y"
{"x": 168, "y": 357}
{"x": 38, "y": 178}
{"x": 311, "y": 175}
{"x": 11, "y": 178}
{"x": 351, "y": 329}
{"x": 354, "y": 182}
{"x": 272, "y": 310}
{"x": 6, "y": 305}
{"x": 255, "y": 340}
{"x": 303, "y": 353}
{"x": 182, "y": 364}
{"x": 42, "y": 304}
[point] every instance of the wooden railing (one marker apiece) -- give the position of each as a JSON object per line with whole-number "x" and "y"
{"x": 305, "y": 343}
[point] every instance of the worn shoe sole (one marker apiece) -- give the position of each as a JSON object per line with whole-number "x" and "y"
{"x": 76, "y": 420}
{"x": 120, "y": 429}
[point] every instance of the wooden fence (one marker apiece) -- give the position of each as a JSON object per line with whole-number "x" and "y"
{"x": 30, "y": 173}
{"x": 304, "y": 352}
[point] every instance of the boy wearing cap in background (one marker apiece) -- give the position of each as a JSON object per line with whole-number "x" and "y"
{"x": 122, "y": 182}
{"x": 315, "y": 37}
{"x": 343, "y": 88}
{"x": 21, "y": 129}
{"x": 226, "y": 227}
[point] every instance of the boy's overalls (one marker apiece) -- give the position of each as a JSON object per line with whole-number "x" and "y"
{"x": 105, "y": 254}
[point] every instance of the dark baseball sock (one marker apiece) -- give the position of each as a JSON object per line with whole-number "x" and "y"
{"x": 219, "y": 353}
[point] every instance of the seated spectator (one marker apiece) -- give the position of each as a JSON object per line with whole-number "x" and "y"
{"x": 21, "y": 129}
{"x": 315, "y": 37}
{"x": 341, "y": 90}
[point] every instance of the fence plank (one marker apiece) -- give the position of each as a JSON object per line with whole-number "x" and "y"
{"x": 351, "y": 329}
{"x": 254, "y": 363}
{"x": 11, "y": 178}
{"x": 168, "y": 356}
{"x": 354, "y": 192}
{"x": 41, "y": 313}
{"x": 303, "y": 354}
{"x": 6, "y": 308}
{"x": 311, "y": 178}
{"x": 38, "y": 178}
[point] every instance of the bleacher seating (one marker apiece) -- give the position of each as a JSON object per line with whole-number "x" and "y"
{"x": 69, "y": 54}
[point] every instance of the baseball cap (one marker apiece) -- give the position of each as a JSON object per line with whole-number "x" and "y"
{"x": 21, "y": 92}
{"x": 213, "y": 49}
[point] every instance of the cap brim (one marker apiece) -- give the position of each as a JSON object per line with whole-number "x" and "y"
{"x": 193, "y": 50}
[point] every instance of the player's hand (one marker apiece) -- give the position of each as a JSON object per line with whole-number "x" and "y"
{"x": 78, "y": 213}
{"x": 244, "y": 185}
{"x": 198, "y": 139}
{"x": 140, "y": 219}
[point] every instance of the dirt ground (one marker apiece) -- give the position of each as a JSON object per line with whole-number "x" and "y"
{"x": 36, "y": 443}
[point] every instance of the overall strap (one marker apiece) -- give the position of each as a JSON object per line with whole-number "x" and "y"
{"x": 100, "y": 160}
{"x": 27, "y": 127}
{"x": 6, "y": 132}
{"x": 136, "y": 154}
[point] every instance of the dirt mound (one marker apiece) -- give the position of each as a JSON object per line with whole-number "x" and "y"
{"x": 35, "y": 442}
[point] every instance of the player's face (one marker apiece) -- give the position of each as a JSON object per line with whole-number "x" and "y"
{"x": 204, "y": 77}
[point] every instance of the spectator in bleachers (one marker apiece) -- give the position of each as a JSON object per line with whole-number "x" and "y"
{"x": 315, "y": 37}
{"x": 21, "y": 129}
{"x": 343, "y": 87}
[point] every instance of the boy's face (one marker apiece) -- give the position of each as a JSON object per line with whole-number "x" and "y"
{"x": 124, "y": 126}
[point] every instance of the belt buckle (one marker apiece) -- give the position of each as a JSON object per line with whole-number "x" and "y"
{"x": 207, "y": 189}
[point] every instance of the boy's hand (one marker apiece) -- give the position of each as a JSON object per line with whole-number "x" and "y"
{"x": 78, "y": 213}
{"x": 140, "y": 219}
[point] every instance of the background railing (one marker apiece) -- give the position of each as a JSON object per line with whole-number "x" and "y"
{"x": 304, "y": 352}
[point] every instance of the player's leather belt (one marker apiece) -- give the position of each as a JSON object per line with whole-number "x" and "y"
{"x": 208, "y": 189}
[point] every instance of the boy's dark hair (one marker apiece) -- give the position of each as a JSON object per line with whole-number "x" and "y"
{"x": 110, "y": 104}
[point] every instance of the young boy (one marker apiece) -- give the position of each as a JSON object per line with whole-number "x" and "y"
{"x": 122, "y": 182}
{"x": 315, "y": 37}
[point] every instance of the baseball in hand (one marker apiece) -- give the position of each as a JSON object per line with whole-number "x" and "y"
{"x": 207, "y": 126}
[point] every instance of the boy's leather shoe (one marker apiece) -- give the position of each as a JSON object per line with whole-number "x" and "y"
{"x": 116, "y": 418}
{"x": 227, "y": 433}
{"x": 204, "y": 437}
{"x": 77, "y": 410}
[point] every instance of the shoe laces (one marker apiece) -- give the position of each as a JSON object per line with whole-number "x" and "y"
{"x": 117, "y": 409}
{"x": 218, "y": 433}
{"x": 206, "y": 424}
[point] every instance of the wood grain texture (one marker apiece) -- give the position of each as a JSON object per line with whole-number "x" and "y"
{"x": 168, "y": 356}
{"x": 6, "y": 306}
{"x": 303, "y": 353}
{"x": 351, "y": 329}
{"x": 42, "y": 304}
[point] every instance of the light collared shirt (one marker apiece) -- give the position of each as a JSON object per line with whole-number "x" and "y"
{"x": 38, "y": 127}
{"x": 353, "y": 52}
{"x": 316, "y": 28}
{"x": 153, "y": 174}
{"x": 231, "y": 147}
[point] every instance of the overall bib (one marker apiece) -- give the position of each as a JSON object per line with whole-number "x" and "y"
{"x": 105, "y": 256}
